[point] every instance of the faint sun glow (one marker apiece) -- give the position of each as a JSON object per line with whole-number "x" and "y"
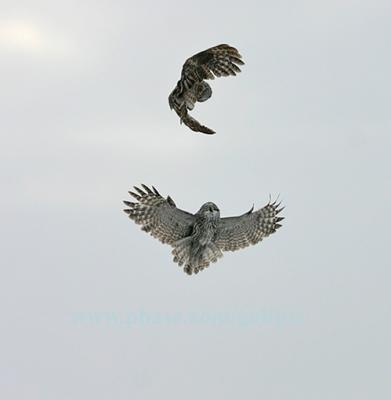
{"x": 27, "y": 37}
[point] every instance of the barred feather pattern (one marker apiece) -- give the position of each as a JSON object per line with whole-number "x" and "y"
{"x": 221, "y": 60}
{"x": 199, "y": 239}
{"x": 159, "y": 216}
{"x": 199, "y": 250}
{"x": 236, "y": 233}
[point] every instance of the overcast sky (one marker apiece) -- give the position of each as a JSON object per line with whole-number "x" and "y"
{"x": 93, "y": 308}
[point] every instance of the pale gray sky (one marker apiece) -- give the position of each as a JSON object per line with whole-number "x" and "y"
{"x": 93, "y": 308}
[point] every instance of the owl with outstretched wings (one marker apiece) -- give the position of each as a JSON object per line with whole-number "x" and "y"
{"x": 199, "y": 239}
{"x": 221, "y": 60}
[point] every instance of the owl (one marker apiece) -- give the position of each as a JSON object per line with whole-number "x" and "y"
{"x": 199, "y": 239}
{"x": 221, "y": 60}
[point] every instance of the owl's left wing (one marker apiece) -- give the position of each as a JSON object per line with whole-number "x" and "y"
{"x": 235, "y": 233}
{"x": 159, "y": 216}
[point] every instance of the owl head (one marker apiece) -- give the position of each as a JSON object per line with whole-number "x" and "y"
{"x": 209, "y": 210}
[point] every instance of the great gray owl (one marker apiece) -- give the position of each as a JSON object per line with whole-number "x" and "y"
{"x": 199, "y": 239}
{"x": 217, "y": 61}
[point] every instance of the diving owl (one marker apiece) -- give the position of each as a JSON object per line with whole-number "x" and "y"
{"x": 199, "y": 239}
{"x": 221, "y": 60}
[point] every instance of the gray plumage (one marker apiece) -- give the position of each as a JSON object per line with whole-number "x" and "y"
{"x": 221, "y": 60}
{"x": 199, "y": 239}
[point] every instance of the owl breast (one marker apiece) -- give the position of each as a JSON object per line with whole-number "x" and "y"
{"x": 205, "y": 230}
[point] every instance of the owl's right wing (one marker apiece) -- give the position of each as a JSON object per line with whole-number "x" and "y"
{"x": 235, "y": 233}
{"x": 159, "y": 216}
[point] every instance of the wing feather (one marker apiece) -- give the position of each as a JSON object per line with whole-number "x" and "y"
{"x": 221, "y": 60}
{"x": 235, "y": 233}
{"x": 159, "y": 216}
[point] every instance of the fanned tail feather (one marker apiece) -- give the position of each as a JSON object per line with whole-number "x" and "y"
{"x": 181, "y": 251}
{"x": 194, "y": 260}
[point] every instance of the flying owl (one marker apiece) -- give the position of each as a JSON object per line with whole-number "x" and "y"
{"x": 221, "y": 60}
{"x": 199, "y": 239}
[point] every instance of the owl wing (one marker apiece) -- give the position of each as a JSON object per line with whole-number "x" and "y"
{"x": 235, "y": 233}
{"x": 221, "y": 60}
{"x": 159, "y": 216}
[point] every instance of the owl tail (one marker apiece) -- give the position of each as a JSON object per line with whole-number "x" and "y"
{"x": 195, "y": 258}
{"x": 195, "y": 126}
{"x": 181, "y": 250}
